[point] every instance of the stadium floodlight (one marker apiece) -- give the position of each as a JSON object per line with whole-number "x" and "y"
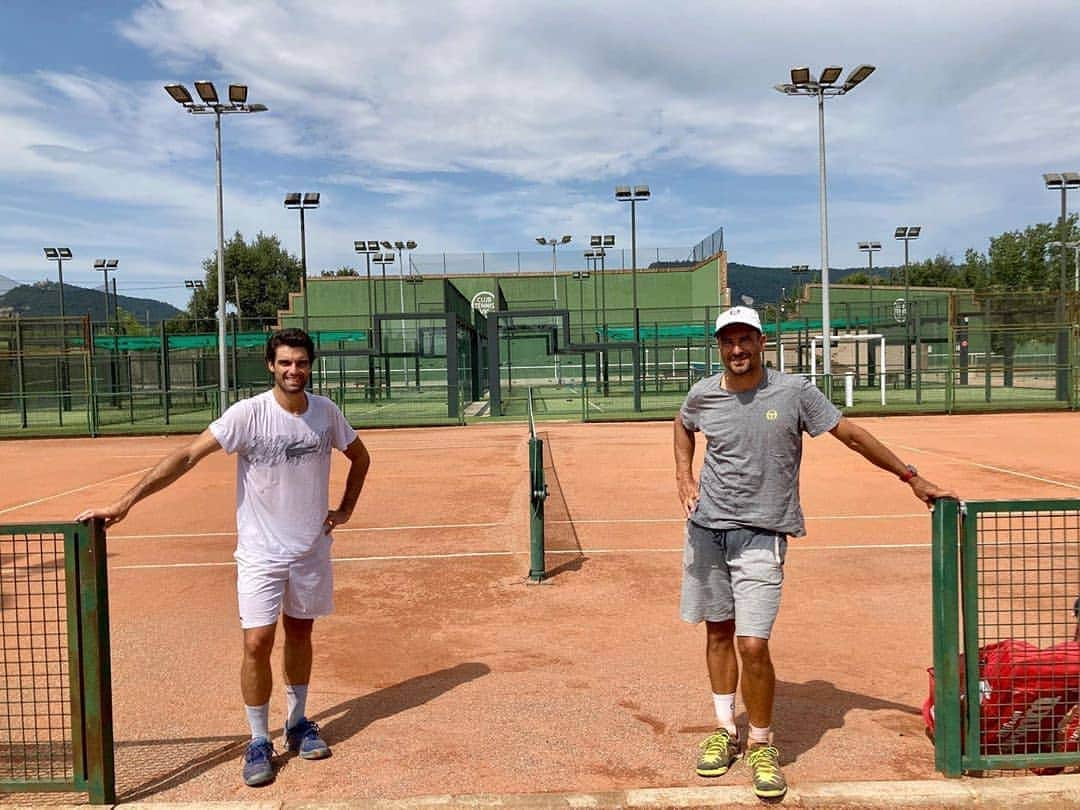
{"x": 803, "y": 85}
{"x": 387, "y": 245}
{"x": 906, "y": 233}
{"x": 830, "y": 74}
{"x": 400, "y": 245}
{"x": 555, "y": 242}
{"x": 105, "y": 266}
{"x": 179, "y": 93}
{"x": 639, "y": 194}
{"x": 296, "y": 201}
{"x": 59, "y": 255}
{"x": 870, "y": 248}
{"x": 211, "y": 105}
{"x": 857, "y": 76}
{"x": 1063, "y": 182}
{"x": 207, "y": 92}
{"x": 368, "y": 247}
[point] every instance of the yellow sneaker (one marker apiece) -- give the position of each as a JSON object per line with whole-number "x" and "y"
{"x": 765, "y": 774}
{"x": 718, "y": 751}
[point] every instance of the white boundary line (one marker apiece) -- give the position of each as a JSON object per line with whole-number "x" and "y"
{"x": 489, "y": 554}
{"x": 373, "y": 529}
{"x": 990, "y": 467}
{"x": 73, "y": 491}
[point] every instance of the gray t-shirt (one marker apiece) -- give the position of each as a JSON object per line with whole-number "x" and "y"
{"x": 754, "y": 448}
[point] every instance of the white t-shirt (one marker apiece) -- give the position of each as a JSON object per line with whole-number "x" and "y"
{"x": 282, "y": 473}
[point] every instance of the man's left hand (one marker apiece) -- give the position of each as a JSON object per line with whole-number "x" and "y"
{"x": 928, "y": 491}
{"x": 334, "y": 518}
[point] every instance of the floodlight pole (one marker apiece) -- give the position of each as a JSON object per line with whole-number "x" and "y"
{"x": 823, "y": 205}
{"x": 907, "y": 233}
{"x": 223, "y": 373}
{"x": 237, "y": 103}
{"x": 802, "y": 84}
{"x": 60, "y": 273}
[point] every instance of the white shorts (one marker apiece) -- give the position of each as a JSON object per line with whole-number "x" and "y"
{"x": 303, "y": 588}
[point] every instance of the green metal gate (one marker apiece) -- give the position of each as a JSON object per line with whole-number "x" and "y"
{"x": 55, "y": 677}
{"x": 1006, "y": 582}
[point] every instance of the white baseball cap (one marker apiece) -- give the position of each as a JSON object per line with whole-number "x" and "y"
{"x": 743, "y": 315}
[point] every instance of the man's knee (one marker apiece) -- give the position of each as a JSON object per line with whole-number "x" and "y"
{"x": 720, "y": 634}
{"x": 753, "y": 651}
{"x": 259, "y": 642}
{"x": 297, "y": 631}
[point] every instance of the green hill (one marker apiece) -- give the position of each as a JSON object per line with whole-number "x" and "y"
{"x": 43, "y": 300}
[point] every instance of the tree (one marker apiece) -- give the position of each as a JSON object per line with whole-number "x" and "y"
{"x": 129, "y": 324}
{"x": 264, "y": 272}
{"x": 341, "y": 272}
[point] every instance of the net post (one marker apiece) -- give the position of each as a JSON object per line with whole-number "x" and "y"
{"x": 537, "y": 496}
{"x": 946, "y": 618}
{"x": 95, "y": 663}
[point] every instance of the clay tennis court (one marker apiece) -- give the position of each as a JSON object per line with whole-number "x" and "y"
{"x": 442, "y": 671}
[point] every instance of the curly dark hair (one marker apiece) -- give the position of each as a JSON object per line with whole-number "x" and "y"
{"x": 297, "y": 338}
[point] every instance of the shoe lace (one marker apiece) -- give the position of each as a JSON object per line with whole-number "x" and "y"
{"x": 312, "y": 729}
{"x": 259, "y": 751}
{"x": 716, "y": 743}
{"x": 765, "y": 760}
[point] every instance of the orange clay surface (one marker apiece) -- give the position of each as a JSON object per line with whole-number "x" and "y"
{"x": 442, "y": 671}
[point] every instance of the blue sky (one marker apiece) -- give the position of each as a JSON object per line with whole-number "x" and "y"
{"x": 481, "y": 124}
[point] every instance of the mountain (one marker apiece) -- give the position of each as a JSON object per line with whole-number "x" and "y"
{"x": 43, "y": 300}
{"x": 764, "y": 284}
{"x": 7, "y": 284}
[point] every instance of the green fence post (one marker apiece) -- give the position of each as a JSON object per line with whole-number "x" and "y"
{"x": 946, "y": 619}
{"x": 96, "y": 664}
{"x": 20, "y": 370}
{"x": 165, "y": 377}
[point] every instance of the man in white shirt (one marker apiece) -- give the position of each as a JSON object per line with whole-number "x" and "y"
{"x": 282, "y": 439}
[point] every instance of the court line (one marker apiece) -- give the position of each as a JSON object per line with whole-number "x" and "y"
{"x": 474, "y": 554}
{"x": 991, "y": 467}
{"x": 432, "y": 526}
{"x": 439, "y": 526}
{"x": 683, "y": 520}
{"x": 73, "y": 491}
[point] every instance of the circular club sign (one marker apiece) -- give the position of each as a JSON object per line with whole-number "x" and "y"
{"x": 484, "y": 302}
{"x": 899, "y": 310}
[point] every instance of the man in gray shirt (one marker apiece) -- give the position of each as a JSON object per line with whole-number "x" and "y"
{"x": 738, "y": 519}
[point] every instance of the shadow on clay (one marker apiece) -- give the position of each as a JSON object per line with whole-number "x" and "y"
{"x": 147, "y": 767}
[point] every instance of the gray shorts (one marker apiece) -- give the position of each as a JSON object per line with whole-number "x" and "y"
{"x": 733, "y": 574}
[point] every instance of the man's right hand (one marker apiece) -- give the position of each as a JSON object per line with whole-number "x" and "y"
{"x": 110, "y": 514}
{"x": 688, "y": 495}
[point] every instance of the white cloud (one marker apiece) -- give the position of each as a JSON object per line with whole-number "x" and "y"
{"x": 477, "y": 124}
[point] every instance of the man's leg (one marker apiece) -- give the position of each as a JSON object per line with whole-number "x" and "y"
{"x": 256, "y": 678}
{"x": 298, "y": 656}
{"x": 256, "y": 683}
{"x": 721, "y": 748}
{"x": 301, "y": 734}
{"x": 757, "y": 564}
{"x": 706, "y": 596}
{"x": 723, "y": 671}
{"x": 758, "y": 685}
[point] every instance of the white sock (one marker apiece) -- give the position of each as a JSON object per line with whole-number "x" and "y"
{"x": 295, "y": 701}
{"x": 725, "y": 711}
{"x": 759, "y": 736}
{"x": 259, "y": 720}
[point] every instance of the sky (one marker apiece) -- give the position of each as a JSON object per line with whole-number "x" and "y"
{"x": 478, "y": 125}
